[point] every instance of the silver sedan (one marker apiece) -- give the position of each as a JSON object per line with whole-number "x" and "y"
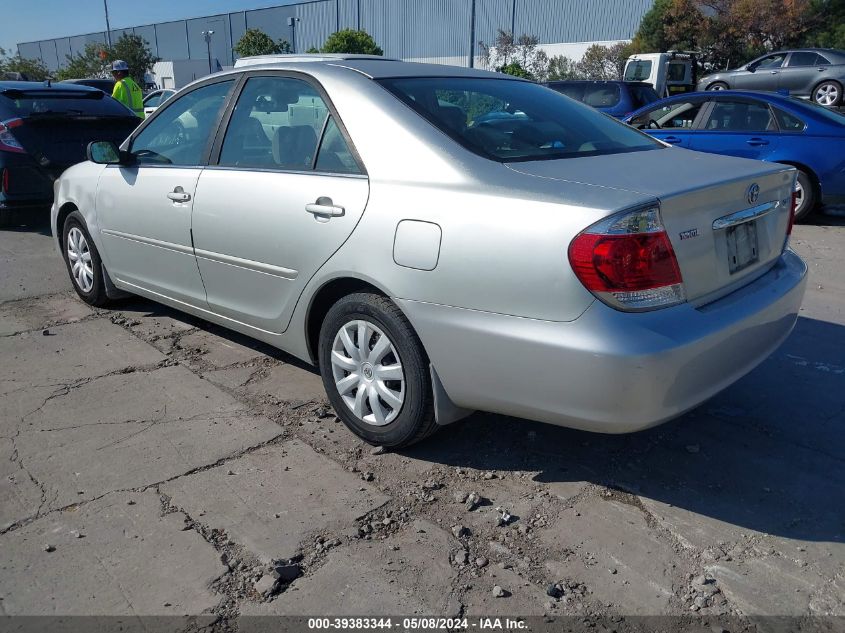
{"x": 440, "y": 240}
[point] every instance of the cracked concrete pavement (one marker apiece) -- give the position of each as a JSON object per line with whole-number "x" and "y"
{"x": 155, "y": 464}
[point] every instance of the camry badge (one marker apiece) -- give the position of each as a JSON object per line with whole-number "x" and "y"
{"x": 753, "y": 193}
{"x": 685, "y": 235}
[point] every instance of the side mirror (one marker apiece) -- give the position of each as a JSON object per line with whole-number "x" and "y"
{"x": 105, "y": 153}
{"x": 751, "y": 68}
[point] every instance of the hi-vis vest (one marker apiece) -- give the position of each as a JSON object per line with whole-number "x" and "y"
{"x": 129, "y": 94}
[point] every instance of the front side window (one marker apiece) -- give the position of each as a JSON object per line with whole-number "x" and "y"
{"x": 181, "y": 130}
{"x": 676, "y": 115}
{"x": 772, "y": 61}
{"x": 509, "y": 120}
{"x": 741, "y": 116}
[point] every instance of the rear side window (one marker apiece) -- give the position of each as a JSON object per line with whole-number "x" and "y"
{"x": 26, "y": 103}
{"x": 788, "y": 122}
{"x": 741, "y": 116}
{"x": 602, "y": 95}
{"x": 638, "y": 70}
{"x": 509, "y": 120}
{"x": 803, "y": 59}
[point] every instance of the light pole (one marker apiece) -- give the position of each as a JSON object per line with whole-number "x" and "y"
{"x": 292, "y": 24}
{"x": 108, "y": 28}
{"x": 207, "y": 35}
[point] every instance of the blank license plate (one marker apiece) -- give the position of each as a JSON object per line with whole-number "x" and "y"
{"x": 742, "y": 246}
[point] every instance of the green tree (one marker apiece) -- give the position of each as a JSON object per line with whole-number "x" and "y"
{"x": 561, "y": 67}
{"x": 651, "y": 36}
{"x": 604, "y": 62}
{"x": 257, "y": 42}
{"x": 826, "y": 24}
{"x": 351, "y": 41}
{"x": 135, "y": 51}
{"x": 515, "y": 69}
{"x": 96, "y": 60}
{"x": 32, "y": 69}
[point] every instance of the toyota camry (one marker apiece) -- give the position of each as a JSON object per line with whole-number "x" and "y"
{"x": 441, "y": 240}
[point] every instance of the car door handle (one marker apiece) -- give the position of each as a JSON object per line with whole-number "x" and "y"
{"x": 673, "y": 139}
{"x": 774, "y": 72}
{"x": 179, "y": 195}
{"x": 757, "y": 141}
{"x": 324, "y": 207}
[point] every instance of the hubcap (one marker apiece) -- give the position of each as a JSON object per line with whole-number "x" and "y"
{"x": 79, "y": 257}
{"x": 827, "y": 95}
{"x": 799, "y": 197}
{"x": 717, "y": 87}
{"x": 368, "y": 373}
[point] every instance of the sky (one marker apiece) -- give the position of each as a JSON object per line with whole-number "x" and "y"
{"x": 29, "y": 20}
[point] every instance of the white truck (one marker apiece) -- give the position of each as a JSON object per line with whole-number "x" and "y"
{"x": 669, "y": 73}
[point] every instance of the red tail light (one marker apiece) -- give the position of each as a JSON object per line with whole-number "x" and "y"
{"x": 8, "y": 142}
{"x": 628, "y": 262}
{"x": 792, "y": 213}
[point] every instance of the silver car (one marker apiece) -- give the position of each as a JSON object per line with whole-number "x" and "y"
{"x": 813, "y": 73}
{"x": 441, "y": 240}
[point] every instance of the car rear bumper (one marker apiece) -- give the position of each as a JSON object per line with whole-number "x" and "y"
{"x": 609, "y": 371}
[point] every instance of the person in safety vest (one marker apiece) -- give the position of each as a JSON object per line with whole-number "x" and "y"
{"x": 125, "y": 89}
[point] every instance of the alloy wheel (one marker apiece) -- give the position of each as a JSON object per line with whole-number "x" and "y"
{"x": 79, "y": 257}
{"x": 368, "y": 372}
{"x": 827, "y": 94}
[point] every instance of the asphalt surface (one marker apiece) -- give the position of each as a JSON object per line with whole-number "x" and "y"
{"x": 154, "y": 464}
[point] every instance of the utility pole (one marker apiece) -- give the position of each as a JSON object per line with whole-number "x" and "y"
{"x": 207, "y": 35}
{"x": 108, "y": 28}
{"x": 472, "y": 37}
{"x": 292, "y": 24}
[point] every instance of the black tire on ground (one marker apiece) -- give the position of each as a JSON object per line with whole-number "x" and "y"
{"x": 5, "y": 218}
{"x": 718, "y": 85}
{"x": 834, "y": 85}
{"x": 808, "y": 204}
{"x": 415, "y": 420}
{"x": 96, "y": 296}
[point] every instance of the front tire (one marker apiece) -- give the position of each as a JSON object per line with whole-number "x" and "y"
{"x": 83, "y": 261}
{"x": 806, "y": 198}
{"x": 718, "y": 85}
{"x": 376, "y": 372}
{"x": 828, "y": 94}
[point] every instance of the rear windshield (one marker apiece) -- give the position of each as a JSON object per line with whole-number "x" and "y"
{"x": 509, "y": 120}
{"x": 833, "y": 116}
{"x": 642, "y": 95}
{"x": 637, "y": 70}
{"x": 34, "y": 103}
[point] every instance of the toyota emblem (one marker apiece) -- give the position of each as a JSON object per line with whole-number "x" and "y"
{"x": 753, "y": 193}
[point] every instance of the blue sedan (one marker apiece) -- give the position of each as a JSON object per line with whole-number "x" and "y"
{"x": 760, "y": 125}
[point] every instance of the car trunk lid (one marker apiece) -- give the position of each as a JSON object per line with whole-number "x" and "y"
{"x": 726, "y": 218}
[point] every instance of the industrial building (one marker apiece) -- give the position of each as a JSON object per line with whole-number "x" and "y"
{"x": 438, "y": 31}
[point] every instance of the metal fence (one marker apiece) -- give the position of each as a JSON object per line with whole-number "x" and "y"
{"x": 440, "y": 31}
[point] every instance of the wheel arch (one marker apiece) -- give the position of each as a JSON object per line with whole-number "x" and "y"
{"x": 324, "y": 298}
{"x": 803, "y": 167}
{"x": 65, "y": 210}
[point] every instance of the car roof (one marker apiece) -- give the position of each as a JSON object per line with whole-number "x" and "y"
{"x": 33, "y": 86}
{"x": 371, "y": 66}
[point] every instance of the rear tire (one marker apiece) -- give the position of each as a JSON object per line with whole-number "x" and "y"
{"x": 828, "y": 94}
{"x": 83, "y": 261}
{"x": 375, "y": 371}
{"x": 718, "y": 85}
{"x": 807, "y": 196}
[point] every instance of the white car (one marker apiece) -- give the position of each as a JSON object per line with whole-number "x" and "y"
{"x": 153, "y": 100}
